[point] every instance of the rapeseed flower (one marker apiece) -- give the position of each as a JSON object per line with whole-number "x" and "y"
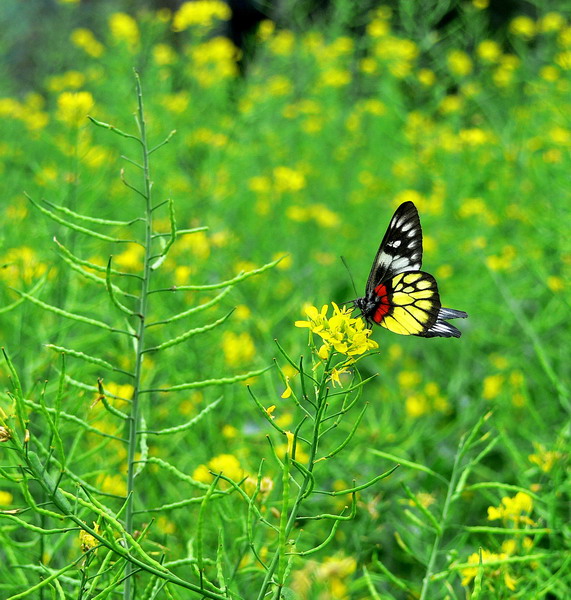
{"x": 238, "y": 348}
{"x": 282, "y": 43}
{"x": 523, "y": 26}
{"x": 340, "y": 332}
{"x": 227, "y": 464}
{"x": 552, "y": 21}
{"x": 286, "y": 179}
{"x": 543, "y": 458}
{"x": 200, "y": 13}
{"x": 67, "y": 80}
{"x": 73, "y": 107}
{"x": 86, "y": 540}
{"x": 6, "y": 498}
{"x": 22, "y": 266}
{"x": 131, "y": 259}
{"x": 86, "y": 40}
{"x": 513, "y": 511}
{"x": 124, "y": 29}
{"x": 164, "y": 55}
{"x": 459, "y": 63}
{"x": 489, "y": 51}
{"x": 492, "y": 572}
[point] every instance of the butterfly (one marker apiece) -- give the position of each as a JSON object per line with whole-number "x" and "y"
{"x": 399, "y": 296}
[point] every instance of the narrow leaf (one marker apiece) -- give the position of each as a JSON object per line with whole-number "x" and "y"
{"x": 188, "y": 334}
{"x": 75, "y": 227}
{"x": 207, "y": 382}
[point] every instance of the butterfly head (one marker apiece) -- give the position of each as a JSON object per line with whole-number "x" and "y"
{"x": 367, "y": 308}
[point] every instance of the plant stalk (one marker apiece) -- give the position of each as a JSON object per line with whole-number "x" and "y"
{"x": 134, "y": 417}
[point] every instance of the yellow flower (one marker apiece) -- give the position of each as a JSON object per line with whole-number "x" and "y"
{"x": 552, "y": 21}
{"x": 288, "y": 391}
{"x": 227, "y": 464}
{"x": 201, "y": 13}
{"x": 282, "y": 43}
{"x": 416, "y": 405}
{"x": 213, "y": 61}
{"x": 6, "y": 498}
{"x": 543, "y": 458}
{"x": 265, "y": 29}
{"x": 523, "y": 26}
{"x": 73, "y": 107}
{"x": 131, "y": 259}
{"x": 341, "y": 332}
{"x": 114, "y": 484}
{"x": 164, "y": 55}
{"x": 21, "y": 265}
{"x": 335, "y": 77}
{"x": 489, "y": 51}
{"x": 69, "y": 80}
{"x": 450, "y": 104}
{"x": 459, "y": 63}
{"x": 378, "y": 28}
{"x": 124, "y": 28}
{"x": 492, "y": 386}
{"x": 427, "y": 77}
{"x": 555, "y": 284}
{"x": 238, "y": 348}
{"x": 409, "y": 379}
{"x": 335, "y": 376}
{"x": 176, "y": 103}
{"x": 511, "y": 510}
{"x": 324, "y": 216}
{"x": 288, "y": 180}
{"x": 492, "y": 571}
{"x": 86, "y": 540}
{"x": 549, "y": 73}
{"x": 480, "y": 4}
{"x": 84, "y": 39}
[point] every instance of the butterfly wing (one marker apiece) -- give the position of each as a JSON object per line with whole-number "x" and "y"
{"x": 408, "y": 303}
{"x": 401, "y": 248}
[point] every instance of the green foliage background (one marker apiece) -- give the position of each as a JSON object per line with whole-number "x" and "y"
{"x": 306, "y": 155}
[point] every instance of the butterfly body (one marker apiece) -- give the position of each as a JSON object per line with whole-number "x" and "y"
{"x": 399, "y": 296}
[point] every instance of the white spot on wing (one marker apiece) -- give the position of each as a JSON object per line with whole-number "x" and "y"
{"x": 401, "y": 263}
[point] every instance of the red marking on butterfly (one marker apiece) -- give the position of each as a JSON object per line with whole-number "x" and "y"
{"x": 384, "y": 304}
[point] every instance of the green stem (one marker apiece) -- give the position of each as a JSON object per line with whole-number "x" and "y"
{"x": 443, "y": 519}
{"x": 134, "y": 416}
{"x": 307, "y": 481}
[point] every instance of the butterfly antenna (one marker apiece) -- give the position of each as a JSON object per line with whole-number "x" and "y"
{"x": 350, "y": 276}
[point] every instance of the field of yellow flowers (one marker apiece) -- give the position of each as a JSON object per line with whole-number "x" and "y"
{"x": 188, "y": 408}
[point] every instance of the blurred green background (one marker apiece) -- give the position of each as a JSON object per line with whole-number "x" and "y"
{"x": 302, "y": 142}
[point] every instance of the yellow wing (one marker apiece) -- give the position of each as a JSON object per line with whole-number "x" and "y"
{"x": 411, "y": 303}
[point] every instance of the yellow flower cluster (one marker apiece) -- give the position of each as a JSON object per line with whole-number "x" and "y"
{"x": 331, "y": 576}
{"x": 545, "y": 459}
{"x": 86, "y": 40}
{"x": 213, "y": 61}
{"x": 238, "y": 348}
{"x": 227, "y": 464}
{"x": 73, "y": 107}
{"x": 21, "y": 266}
{"x": 28, "y": 112}
{"x": 340, "y": 333}
{"x": 320, "y": 213}
{"x": 513, "y": 511}
{"x": 86, "y": 540}
{"x": 200, "y": 13}
{"x": 124, "y": 28}
{"x": 493, "y": 571}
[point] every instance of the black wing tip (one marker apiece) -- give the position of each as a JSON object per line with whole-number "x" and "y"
{"x": 444, "y": 329}
{"x": 452, "y": 313}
